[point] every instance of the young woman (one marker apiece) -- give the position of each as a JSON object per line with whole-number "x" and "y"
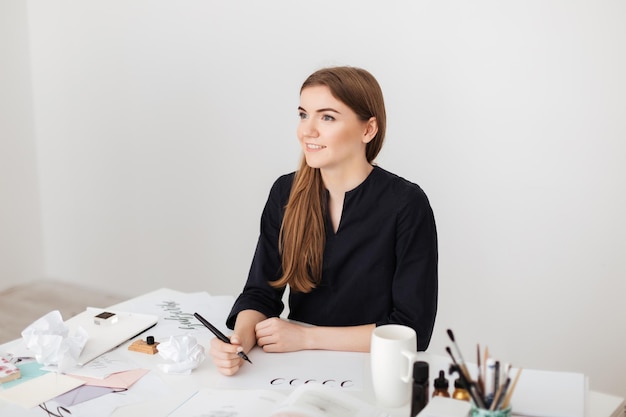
{"x": 356, "y": 245}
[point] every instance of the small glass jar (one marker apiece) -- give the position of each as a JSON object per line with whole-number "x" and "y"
{"x": 481, "y": 412}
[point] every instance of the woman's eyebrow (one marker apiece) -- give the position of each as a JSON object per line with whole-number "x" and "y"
{"x": 328, "y": 109}
{"x": 325, "y": 109}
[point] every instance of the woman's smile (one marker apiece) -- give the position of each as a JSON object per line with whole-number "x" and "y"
{"x": 314, "y": 147}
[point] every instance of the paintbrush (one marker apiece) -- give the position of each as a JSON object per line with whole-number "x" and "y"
{"x": 470, "y": 385}
{"x": 458, "y": 352}
{"x": 509, "y": 394}
{"x": 479, "y": 381}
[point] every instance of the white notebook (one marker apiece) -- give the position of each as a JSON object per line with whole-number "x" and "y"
{"x": 550, "y": 394}
{"x": 104, "y": 337}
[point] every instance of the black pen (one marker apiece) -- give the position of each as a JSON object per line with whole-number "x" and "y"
{"x": 219, "y": 334}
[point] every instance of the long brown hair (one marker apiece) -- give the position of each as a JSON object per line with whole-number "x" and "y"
{"x": 302, "y": 234}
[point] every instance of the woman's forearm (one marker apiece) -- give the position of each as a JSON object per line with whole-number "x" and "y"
{"x": 352, "y": 338}
{"x": 244, "y": 327}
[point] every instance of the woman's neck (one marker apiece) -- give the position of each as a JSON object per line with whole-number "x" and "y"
{"x": 338, "y": 182}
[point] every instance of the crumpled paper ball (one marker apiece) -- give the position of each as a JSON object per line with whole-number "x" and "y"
{"x": 49, "y": 339}
{"x": 184, "y": 351}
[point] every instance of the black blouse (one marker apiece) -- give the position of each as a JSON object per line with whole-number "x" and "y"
{"x": 380, "y": 267}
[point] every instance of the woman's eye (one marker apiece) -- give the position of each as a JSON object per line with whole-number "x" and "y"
{"x": 302, "y": 115}
{"x": 327, "y": 118}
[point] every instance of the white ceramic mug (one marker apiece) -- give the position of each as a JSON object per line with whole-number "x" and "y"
{"x": 393, "y": 352}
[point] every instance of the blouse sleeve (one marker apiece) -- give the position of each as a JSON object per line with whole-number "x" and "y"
{"x": 266, "y": 265}
{"x": 415, "y": 281}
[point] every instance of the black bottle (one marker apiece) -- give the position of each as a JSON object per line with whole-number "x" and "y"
{"x": 441, "y": 386}
{"x": 419, "y": 396}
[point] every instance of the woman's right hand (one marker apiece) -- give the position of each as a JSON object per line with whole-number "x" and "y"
{"x": 242, "y": 340}
{"x": 225, "y": 355}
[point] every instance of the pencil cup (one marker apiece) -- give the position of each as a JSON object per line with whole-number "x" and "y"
{"x": 481, "y": 412}
{"x": 393, "y": 352}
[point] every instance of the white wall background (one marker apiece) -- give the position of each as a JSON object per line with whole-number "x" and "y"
{"x": 21, "y": 245}
{"x": 161, "y": 125}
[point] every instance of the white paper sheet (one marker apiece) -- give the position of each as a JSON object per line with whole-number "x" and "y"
{"x": 315, "y": 400}
{"x": 549, "y": 394}
{"x": 145, "y": 389}
{"x": 231, "y": 403}
{"x": 41, "y": 389}
{"x": 103, "y": 366}
{"x": 287, "y": 371}
{"x": 311, "y": 400}
{"x": 175, "y": 311}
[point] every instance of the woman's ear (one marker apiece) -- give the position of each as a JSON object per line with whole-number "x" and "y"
{"x": 371, "y": 128}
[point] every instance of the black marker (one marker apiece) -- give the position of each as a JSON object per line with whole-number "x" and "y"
{"x": 219, "y": 334}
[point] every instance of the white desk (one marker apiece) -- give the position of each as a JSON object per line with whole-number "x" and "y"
{"x": 180, "y": 387}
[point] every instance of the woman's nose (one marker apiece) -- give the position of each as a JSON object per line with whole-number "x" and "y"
{"x": 308, "y": 128}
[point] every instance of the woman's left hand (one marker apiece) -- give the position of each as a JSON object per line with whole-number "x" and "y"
{"x": 278, "y": 335}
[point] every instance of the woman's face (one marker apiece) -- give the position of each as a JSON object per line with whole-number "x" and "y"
{"x": 330, "y": 133}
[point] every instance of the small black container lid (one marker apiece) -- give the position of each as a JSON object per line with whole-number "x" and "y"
{"x": 420, "y": 371}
